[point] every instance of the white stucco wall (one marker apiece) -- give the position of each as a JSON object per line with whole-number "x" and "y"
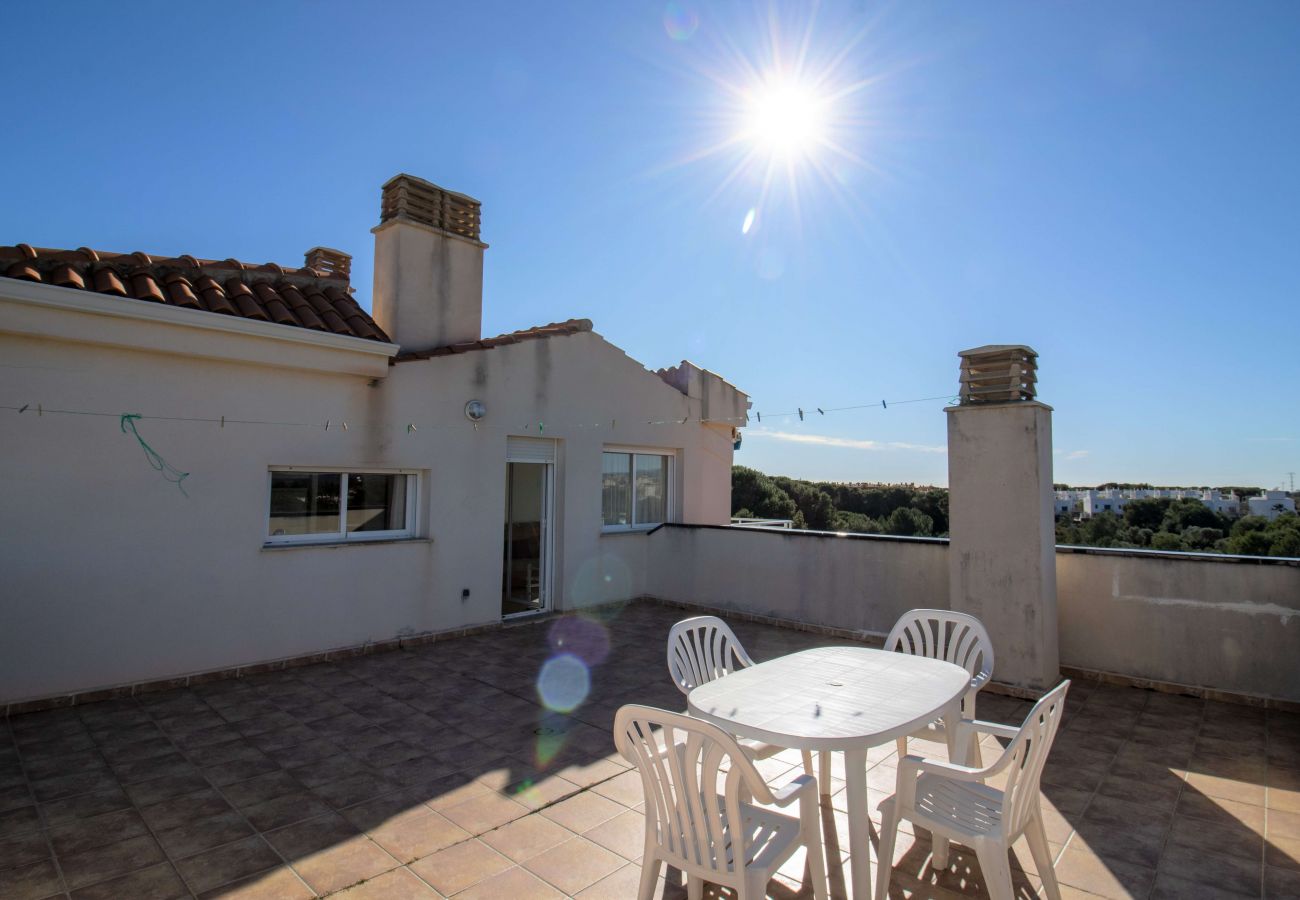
{"x": 858, "y": 583}
{"x": 1228, "y": 625}
{"x": 111, "y": 575}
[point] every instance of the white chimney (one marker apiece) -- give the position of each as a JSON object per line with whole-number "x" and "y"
{"x": 428, "y": 265}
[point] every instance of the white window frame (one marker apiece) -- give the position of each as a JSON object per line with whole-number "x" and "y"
{"x": 343, "y": 536}
{"x": 670, "y": 490}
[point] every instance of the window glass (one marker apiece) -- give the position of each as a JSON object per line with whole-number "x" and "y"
{"x": 651, "y": 489}
{"x": 616, "y": 488}
{"x": 304, "y": 502}
{"x": 376, "y": 502}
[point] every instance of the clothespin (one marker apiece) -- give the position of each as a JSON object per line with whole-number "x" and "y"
{"x": 801, "y": 414}
{"x": 327, "y": 424}
{"x": 822, "y": 411}
{"x": 223, "y": 421}
{"x": 345, "y": 426}
{"x": 683, "y": 421}
{"x": 24, "y": 409}
{"x": 541, "y": 428}
{"x": 410, "y": 426}
{"x": 40, "y": 410}
{"x": 884, "y": 405}
{"x": 760, "y": 417}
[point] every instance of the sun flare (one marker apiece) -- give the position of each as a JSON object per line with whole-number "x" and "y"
{"x": 786, "y": 119}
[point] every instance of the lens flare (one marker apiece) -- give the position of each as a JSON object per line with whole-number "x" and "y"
{"x": 584, "y": 638}
{"x": 563, "y": 683}
{"x": 681, "y": 21}
{"x": 749, "y": 221}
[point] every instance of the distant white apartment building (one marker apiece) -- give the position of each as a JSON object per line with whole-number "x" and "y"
{"x": 1089, "y": 503}
{"x": 1271, "y": 505}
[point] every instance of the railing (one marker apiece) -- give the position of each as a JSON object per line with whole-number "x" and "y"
{"x": 762, "y": 523}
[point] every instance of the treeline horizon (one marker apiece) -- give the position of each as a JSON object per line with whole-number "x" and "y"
{"x": 1151, "y": 523}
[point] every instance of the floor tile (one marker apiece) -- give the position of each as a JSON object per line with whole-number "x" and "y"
{"x": 525, "y": 838}
{"x": 414, "y": 837}
{"x": 1213, "y": 870}
{"x": 582, "y": 812}
{"x": 285, "y": 810}
{"x": 624, "y": 834}
{"x": 574, "y": 865}
{"x": 342, "y": 865}
{"x": 514, "y": 882}
{"x": 485, "y": 812}
{"x": 31, "y": 882}
{"x": 182, "y": 810}
{"x": 214, "y": 868}
{"x": 158, "y": 882}
{"x": 461, "y": 866}
{"x": 102, "y": 863}
{"x": 203, "y": 833}
{"x": 77, "y": 835}
{"x": 399, "y": 884}
{"x": 273, "y": 884}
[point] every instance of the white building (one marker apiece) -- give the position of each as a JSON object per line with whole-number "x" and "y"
{"x": 1271, "y": 505}
{"x": 1088, "y": 503}
{"x": 347, "y": 480}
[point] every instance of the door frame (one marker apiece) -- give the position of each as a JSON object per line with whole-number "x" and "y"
{"x": 547, "y": 583}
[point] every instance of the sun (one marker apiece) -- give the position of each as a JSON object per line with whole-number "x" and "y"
{"x": 786, "y": 119}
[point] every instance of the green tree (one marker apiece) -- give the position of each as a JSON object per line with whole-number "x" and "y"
{"x": 815, "y": 504}
{"x": 1250, "y": 543}
{"x": 1100, "y": 531}
{"x": 754, "y": 492}
{"x": 1183, "y": 514}
{"x": 906, "y": 521}
{"x": 1146, "y": 512}
{"x": 1164, "y": 540}
{"x": 856, "y": 523}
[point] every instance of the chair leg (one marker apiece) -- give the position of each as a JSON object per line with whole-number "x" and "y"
{"x": 650, "y": 867}
{"x": 807, "y": 763}
{"x": 902, "y": 748}
{"x": 1036, "y": 835}
{"x": 694, "y": 887}
{"x": 885, "y": 854}
{"x": 939, "y": 861}
{"x": 997, "y": 871}
{"x": 810, "y": 830}
{"x": 824, "y": 775}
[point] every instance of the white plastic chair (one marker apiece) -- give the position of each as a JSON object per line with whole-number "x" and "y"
{"x": 704, "y": 648}
{"x": 954, "y": 803}
{"x": 711, "y": 836}
{"x": 953, "y": 637}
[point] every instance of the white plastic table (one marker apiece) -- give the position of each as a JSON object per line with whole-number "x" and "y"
{"x": 838, "y": 698}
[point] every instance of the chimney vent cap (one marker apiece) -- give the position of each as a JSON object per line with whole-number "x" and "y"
{"x": 407, "y": 197}
{"x": 998, "y": 373}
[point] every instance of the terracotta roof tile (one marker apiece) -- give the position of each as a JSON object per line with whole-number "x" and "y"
{"x": 537, "y": 332}
{"x": 311, "y": 297}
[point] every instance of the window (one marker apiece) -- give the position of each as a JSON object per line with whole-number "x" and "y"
{"x": 328, "y": 506}
{"x": 635, "y": 489}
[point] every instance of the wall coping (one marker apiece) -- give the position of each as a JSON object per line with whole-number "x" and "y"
{"x": 803, "y": 533}
{"x": 1168, "y": 555}
{"x": 1181, "y": 555}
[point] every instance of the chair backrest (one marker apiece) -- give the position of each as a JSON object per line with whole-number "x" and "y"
{"x": 681, "y": 762}
{"x": 954, "y": 637}
{"x": 703, "y": 649}
{"x": 1025, "y": 756}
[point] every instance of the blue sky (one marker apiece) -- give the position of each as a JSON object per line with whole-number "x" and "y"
{"x": 1114, "y": 184}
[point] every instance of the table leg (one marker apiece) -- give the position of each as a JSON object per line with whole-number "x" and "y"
{"x": 957, "y": 752}
{"x": 855, "y": 778}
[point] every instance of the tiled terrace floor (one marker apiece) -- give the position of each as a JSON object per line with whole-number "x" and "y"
{"x": 435, "y": 772}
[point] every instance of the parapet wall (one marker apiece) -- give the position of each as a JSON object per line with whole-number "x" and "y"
{"x": 1218, "y": 624}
